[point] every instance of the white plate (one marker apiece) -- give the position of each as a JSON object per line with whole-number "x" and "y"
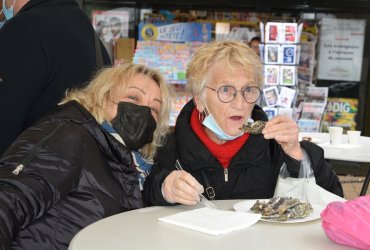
{"x": 245, "y": 206}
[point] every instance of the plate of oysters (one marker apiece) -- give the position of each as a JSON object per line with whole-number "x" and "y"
{"x": 281, "y": 209}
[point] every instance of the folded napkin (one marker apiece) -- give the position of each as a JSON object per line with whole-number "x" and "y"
{"x": 343, "y": 145}
{"x": 212, "y": 221}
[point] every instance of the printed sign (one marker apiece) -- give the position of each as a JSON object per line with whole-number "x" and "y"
{"x": 177, "y": 32}
{"x": 341, "y": 49}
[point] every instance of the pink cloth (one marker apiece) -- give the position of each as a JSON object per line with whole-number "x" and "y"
{"x": 348, "y": 223}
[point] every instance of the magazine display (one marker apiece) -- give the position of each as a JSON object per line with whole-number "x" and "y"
{"x": 311, "y": 108}
{"x": 169, "y": 47}
{"x": 169, "y": 58}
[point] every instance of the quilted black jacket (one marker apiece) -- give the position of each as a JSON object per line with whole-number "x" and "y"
{"x": 59, "y": 176}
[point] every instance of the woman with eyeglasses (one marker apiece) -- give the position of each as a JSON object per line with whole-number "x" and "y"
{"x": 218, "y": 158}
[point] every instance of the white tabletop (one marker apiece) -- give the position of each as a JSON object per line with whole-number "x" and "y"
{"x": 346, "y": 153}
{"x": 140, "y": 229}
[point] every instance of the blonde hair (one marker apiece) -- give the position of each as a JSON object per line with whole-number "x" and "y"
{"x": 231, "y": 54}
{"x": 95, "y": 96}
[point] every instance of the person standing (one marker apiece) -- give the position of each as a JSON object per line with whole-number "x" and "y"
{"x": 254, "y": 44}
{"x": 46, "y": 47}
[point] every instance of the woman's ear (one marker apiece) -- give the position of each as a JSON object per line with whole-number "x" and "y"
{"x": 199, "y": 104}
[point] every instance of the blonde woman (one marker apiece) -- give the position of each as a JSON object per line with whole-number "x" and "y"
{"x": 83, "y": 162}
{"x": 218, "y": 158}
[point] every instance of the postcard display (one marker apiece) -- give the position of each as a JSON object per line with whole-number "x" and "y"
{"x": 280, "y": 50}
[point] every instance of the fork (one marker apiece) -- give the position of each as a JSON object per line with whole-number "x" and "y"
{"x": 202, "y": 199}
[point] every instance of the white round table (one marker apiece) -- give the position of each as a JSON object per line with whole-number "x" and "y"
{"x": 140, "y": 229}
{"x": 353, "y": 154}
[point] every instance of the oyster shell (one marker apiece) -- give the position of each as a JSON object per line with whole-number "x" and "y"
{"x": 282, "y": 208}
{"x": 253, "y": 128}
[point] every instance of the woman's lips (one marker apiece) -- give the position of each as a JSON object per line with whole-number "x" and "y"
{"x": 236, "y": 118}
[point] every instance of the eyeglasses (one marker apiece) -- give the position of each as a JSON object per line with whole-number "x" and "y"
{"x": 227, "y": 93}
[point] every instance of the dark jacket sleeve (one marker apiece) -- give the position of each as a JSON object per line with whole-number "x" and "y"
{"x": 164, "y": 165}
{"x": 22, "y": 70}
{"x": 324, "y": 175}
{"x": 49, "y": 173}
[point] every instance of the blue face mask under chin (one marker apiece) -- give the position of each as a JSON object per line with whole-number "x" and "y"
{"x": 8, "y": 12}
{"x": 212, "y": 125}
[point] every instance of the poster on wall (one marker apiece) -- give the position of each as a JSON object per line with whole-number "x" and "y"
{"x": 340, "y": 112}
{"x": 341, "y": 49}
{"x": 111, "y": 24}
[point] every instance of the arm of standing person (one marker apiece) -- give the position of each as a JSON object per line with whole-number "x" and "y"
{"x": 23, "y": 71}
{"x": 48, "y": 173}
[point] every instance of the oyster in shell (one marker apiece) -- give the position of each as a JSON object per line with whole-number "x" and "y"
{"x": 282, "y": 208}
{"x": 253, "y": 128}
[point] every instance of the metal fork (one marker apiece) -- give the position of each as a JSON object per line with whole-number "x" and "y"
{"x": 202, "y": 199}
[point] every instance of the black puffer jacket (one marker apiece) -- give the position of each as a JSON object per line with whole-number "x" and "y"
{"x": 74, "y": 173}
{"x": 252, "y": 173}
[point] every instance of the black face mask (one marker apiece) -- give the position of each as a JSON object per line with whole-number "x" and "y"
{"x": 135, "y": 124}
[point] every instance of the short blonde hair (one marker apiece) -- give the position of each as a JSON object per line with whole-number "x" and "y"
{"x": 95, "y": 96}
{"x": 231, "y": 54}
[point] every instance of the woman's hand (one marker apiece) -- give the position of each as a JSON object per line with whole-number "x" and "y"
{"x": 285, "y": 132}
{"x": 181, "y": 187}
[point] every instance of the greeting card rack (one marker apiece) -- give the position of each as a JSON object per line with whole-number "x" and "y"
{"x": 280, "y": 50}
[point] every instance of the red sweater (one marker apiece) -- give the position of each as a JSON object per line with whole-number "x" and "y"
{"x": 223, "y": 152}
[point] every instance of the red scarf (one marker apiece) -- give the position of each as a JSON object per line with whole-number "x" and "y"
{"x": 223, "y": 152}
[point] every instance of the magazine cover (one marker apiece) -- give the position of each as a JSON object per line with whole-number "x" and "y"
{"x": 175, "y": 32}
{"x": 272, "y": 54}
{"x": 286, "y": 97}
{"x": 273, "y": 31}
{"x": 270, "y": 112}
{"x": 316, "y": 94}
{"x": 111, "y": 24}
{"x": 289, "y": 54}
{"x": 288, "y": 75}
{"x": 271, "y": 95}
{"x": 305, "y": 125}
{"x": 271, "y": 75}
{"x": 305, "y": 75}
{"x": 290, "y": 33}
{"x": 312, "y": 111}
{"x": 340, "y": 112}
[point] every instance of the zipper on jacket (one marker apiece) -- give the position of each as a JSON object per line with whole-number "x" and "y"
{"x": 226, "y": 173}
{"x": 18, "y": 169}
{"x": 34, "y": 151}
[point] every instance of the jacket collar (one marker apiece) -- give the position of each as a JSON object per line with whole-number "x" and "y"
{"x": 194, "y": 153}
{"x": 74, "y": 112}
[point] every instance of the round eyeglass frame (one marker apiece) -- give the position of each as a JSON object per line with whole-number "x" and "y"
{"x": 242, "y": 91}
